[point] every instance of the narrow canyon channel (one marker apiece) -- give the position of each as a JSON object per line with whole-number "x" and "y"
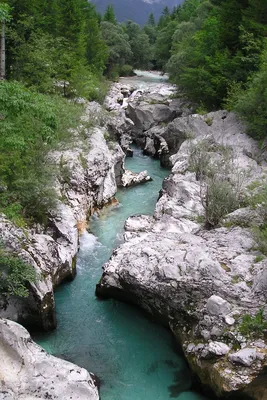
{"x": 134, "y": 357}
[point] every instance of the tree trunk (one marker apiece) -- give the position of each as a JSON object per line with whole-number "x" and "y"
{"x": 3, "y": 53}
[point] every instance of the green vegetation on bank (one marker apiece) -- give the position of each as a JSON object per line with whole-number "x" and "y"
{"x": 215, "y": 51}
{"x": 253, "y": 325}
{"x": 14, "y": 275}
{"x": 31, "y": 125}
{"x": 55, "y": 51}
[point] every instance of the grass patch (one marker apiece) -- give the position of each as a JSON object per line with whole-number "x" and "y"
{"x": 253, "y": 325}
{"x": 259, "y": 258}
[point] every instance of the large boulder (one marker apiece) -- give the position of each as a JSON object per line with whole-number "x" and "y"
{"x": 144, "y": 115}
{"x": 28, "y": 372}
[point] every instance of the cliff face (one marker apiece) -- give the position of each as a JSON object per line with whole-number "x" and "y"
{"x": 201, "y": 282}
{"x": 87, "y": 177}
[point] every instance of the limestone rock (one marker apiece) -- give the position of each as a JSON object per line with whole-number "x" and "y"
{"x": 218, "y": 348}
{"x": 144, "y": 116}
{"x": 245, "y": 357}
{"x": 217, "y": 306}
{"x": 28, "y": 372}
{"x": 199, "y": 282}
{"x": 130, "y": 178}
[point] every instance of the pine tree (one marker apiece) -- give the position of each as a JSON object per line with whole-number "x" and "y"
{"x": 109, "y": 15}
{"x": 151, "y": 20}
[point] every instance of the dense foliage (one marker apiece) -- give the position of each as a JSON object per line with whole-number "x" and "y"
{"x": 215, "y": 51}
{"x": 31, "y": 124}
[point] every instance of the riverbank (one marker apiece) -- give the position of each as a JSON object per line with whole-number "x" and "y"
{"x": 197, "y": 264}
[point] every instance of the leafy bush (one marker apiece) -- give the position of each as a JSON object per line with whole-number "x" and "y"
{"x": 126, "y": 70}
{"x": 253, "y": 325}
{"x": 31, "y": 124}
{"x": 220, "y": 199}
{"x": 14, "y": 275}
{"x": 88, "y": 85}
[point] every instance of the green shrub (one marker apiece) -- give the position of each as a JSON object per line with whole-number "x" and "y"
{"x": 253, "y": 325}
{"x": 88, "y": 85}
{"x": 31, "y": 125}
{"x": 259, "y": 258}
{"x": 220, "y": 199}
{"x": 126, "y": 70}
{"x": 260, "y": 236}
{"x": 14, "y": 275}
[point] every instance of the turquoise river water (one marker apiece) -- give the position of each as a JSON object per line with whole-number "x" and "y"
{"x": 135, "y": 358}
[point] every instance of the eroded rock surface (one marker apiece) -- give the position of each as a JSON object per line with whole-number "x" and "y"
{"x": 130, "y": 178}
{"x": 28, "y": 372}
{"x": 145, "y": 111}
{"x": 200, "y": 282}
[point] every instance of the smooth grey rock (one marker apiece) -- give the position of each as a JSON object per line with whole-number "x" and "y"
{"x": 246, "y": 357}
{"x": 229, "y": 320}
{"x": 190, "y": 348}
{"x": 216, "y": 332}
{"x": 205, "y": 334}
{"x": 130, "y": 178}
{"x": 28, "y": 372}
{"x": 144, "y": 116}
{"x": 218, "y": 348}
{"x": 217, "y": 306}
{"x": 245, "y": 217}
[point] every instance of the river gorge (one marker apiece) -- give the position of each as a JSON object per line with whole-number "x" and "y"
{"x": 199, "y": 282}
{"x": 133, "y": 357}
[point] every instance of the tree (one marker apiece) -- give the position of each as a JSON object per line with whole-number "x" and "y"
{"x": 4, "y": 17}
{"x": 164, "y": 44}
{"x": 251, "y": 103}
{"x": 151, "y": 20}
{"x": 119, "y": 49}
{"x": 140, "y": 46}
{"x": 109, "y": 15}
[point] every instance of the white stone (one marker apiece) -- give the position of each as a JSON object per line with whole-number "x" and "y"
{"x": 229, "y": 320}
{"x": 217, "y": 306}
{"x": 28, "y": 372}
{"x": 218, "y": 348}
{"x": 246, "y": 356}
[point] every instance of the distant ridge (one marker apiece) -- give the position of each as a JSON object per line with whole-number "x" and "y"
{"x": 136, "y": 10}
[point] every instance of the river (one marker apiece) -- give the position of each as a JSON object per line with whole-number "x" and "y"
{"x": 134, "y": 357}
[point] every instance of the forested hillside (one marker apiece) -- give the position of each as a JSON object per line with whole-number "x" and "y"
{"x": 216, "y": 52}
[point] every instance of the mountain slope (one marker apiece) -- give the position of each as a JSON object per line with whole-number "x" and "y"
{"x": 136, "y": 10}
